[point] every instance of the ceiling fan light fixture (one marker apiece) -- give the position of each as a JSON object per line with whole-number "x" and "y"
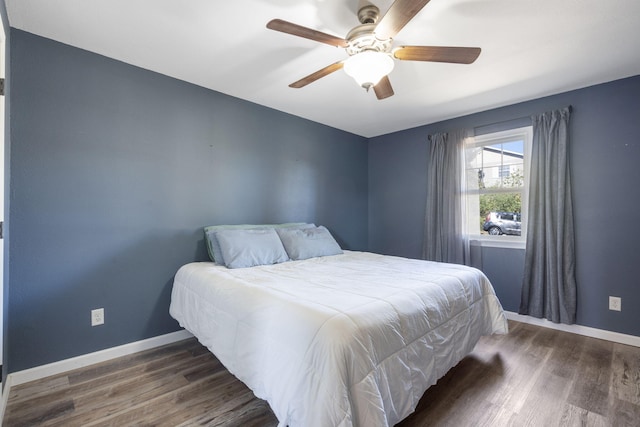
{"x": 369, "y": 67}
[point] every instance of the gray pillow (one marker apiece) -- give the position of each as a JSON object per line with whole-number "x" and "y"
{"x": 248, "y": 248}
{"x": 308, "y": 242}
{"x": 213, "y": 247}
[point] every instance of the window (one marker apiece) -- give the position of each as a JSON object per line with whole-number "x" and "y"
{"x": 496, "y": 176}
{"x": 505, "y": 171}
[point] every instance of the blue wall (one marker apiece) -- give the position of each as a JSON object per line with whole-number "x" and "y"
{"x": 114, "y": 172}
{"x": 605, "y": 162}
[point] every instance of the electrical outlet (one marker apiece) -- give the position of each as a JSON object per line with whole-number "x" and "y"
{"x": 615, "y": 303}
{"x": 97, "y": 317}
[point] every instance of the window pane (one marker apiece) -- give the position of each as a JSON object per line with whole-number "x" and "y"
{"x": 503, "y": 165}
{"x": 491, "y": 177}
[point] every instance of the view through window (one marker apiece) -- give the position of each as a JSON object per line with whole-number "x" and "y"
{"x": 496, "y": 183}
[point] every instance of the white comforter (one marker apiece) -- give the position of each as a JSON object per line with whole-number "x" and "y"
{"x": 343, "y": 340}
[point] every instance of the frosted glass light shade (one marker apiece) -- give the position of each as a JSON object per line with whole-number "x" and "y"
{"x": 368, "y": 67}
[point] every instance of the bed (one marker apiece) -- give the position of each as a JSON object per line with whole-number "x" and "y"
{"x": 352, "y": 339}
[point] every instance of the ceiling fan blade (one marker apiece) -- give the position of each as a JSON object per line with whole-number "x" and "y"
{"x": 383, "y": 89}
{"x": 456, "y": 55}
{"x": 308, "y": 33}
{"x": 398, "y": 15}
{"x": 317, "y": 75}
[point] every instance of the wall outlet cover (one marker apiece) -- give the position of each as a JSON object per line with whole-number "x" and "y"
{"x": 615, "y": 303}
{"x": 97, "y": 317}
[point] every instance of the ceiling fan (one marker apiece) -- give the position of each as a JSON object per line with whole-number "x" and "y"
{"x": 369, "y": 46}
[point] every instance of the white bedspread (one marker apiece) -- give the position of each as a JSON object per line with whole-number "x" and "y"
{"x": 343, "y": 340}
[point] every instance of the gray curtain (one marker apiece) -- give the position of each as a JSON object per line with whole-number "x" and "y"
{"x": 549, "y": 286}
{"x": 444, "y": 236}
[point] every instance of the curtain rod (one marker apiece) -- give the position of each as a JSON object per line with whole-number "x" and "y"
{"x": 570, "y": 107}
{"x": 475, "y": 128}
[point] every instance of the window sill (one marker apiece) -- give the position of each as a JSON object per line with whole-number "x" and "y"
{"x": 497, "y": 242}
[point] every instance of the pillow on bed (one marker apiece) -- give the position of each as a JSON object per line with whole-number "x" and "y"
{"x": 213, "y": 247}
{"x": 308, "y": 242}
{"x": 248, "y": 248}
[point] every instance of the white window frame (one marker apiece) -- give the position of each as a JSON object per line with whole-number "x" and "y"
{"x": 504, "y": 241}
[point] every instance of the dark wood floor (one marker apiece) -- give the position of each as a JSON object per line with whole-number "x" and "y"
{"x": 531, "y": 377}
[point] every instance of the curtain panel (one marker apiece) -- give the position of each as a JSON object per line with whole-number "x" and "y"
{"x": 549, "y": 285}
{"x": 445, "y": 239}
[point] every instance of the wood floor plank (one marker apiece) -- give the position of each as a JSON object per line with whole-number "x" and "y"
{"x": 240, "y": 410}
{"x": 204, "y": 397}
{"x": 154, "y": 355}
{"x": 590, "y": 389}
{"x": 532, "y": 376}
{"x": 207, "y": 395}
{"x": 96, "y": 395}
{"x": 34, "y": 389}
{"x": 522, "y": 371}
{"x": 98, "y": 384}
{"x": 625, "y": 380}
{"x": 624, "y": 413}
{"x": 572, "y": 416}
{"x": 567, "y": 350}
{"x": 40, "y": 415}
{"x": 122, "y": 395}
{"x": 543, "y": 394}
{"x": 109, "y": 372}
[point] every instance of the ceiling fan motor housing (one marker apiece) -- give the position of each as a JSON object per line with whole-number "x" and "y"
{"x": 368, "y": 14}
{"x": 363, "y": 38}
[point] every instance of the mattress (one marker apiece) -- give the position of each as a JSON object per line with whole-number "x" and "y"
{"x": 345, "y": 340}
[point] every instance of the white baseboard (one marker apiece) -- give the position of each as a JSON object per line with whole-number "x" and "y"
{"x": 577, "y": 329}
{"x": 61, "y": 366}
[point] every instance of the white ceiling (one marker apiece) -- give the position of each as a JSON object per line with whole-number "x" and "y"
{"x": 530, "y": 48}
